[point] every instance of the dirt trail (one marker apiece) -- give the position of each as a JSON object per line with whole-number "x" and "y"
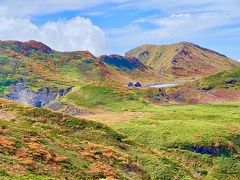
{"x": 7, "y": 115}
{"x": 115, "y": 117}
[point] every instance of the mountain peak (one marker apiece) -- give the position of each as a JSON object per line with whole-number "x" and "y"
{"x": 38, "y": 46}
{"x": 182, "y": 59}
{"x": 26, "y": 47}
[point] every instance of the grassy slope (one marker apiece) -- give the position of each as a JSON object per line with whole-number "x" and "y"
{"x": 155, "y": 53}
{"x": 174, "y": 131}
{"x": 219, "y": 80}
{"x": 166, "y": 131}
{"x": 56, "y": 70}
{"x": 59, "y": 70}
{"x": 182, "y": 59}
{"x": 213, "y": 88}
{"x": 38, "y": 143}
{"x": 96, "y": 85}
{"x": 62, "y": 70}
{"x": 105, "y": 97}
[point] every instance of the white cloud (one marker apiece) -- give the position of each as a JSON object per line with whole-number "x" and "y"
{"x": 63, "y": 35}
{"x": 75, "y": 34}
{"x": 175, "y": 20}
{"x": 200, "y": 21}
{"x": 41, "y": 7}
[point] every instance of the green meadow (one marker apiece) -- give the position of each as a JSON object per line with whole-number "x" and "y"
{"x": 202, "y": 139}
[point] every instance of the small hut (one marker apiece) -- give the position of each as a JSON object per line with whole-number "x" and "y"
{"x": 130, "y": 84}
{"x": 137, "y": 84}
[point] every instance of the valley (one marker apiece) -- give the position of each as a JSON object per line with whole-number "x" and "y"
{"x": 71, "y": 115}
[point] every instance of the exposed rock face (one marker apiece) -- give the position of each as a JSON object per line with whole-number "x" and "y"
{"x": 72, "y": 110}
{"x": 55, "y": 106}
{"x": 20, "y": 93}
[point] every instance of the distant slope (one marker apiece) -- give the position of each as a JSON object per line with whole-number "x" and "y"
{"x": 229, "y": 79}
{"x": 123, "y": 63}
{"x": 182, "y": 59}
{"x": 221, "y": 87}
{"x": 37, "y": 65}
{"x": 132, "y": 68}
{"x": 25, "y": 48}
{"x": 34, "y": 74}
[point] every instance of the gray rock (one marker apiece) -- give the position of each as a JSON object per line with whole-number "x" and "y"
{"x": 55, "y": 106}
{"x": 72, "y": 110}
{"x": 20, "y": 93}
{"x": 179, "y": 97}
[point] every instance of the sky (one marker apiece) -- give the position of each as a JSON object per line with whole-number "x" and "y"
{"x": 117, "y": 26}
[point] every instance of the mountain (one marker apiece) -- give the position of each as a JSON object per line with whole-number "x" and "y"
{"x": 182, "y": 60}
{"x": 34, "y": 74}
{"x": 25, "y": 48}
{"x": 36, "y": 65}
{"x": 78, "y": 82}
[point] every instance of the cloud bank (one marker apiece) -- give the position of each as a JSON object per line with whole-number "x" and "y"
{"x": 41, "y": 7}
{"x": 77, "y": 33}
{"x": 211, "y": 23}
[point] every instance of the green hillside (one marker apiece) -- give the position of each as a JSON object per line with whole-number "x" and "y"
{"x": 221, "y": 87}
{"x": 36, "y": 66}
{"x": 224, "y": 80}
{"x": 203, "y": 139}
{"x": 39, "y": 144}
{"x": 200, "y": 139}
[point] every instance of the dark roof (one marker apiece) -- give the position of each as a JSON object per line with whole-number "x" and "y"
{"x": 137, "y": 84}
{"x": 130, "y": 84}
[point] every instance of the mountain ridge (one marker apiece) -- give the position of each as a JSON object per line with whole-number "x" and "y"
{"x": 182, "y": 59}
{"x": 40, "y": 67}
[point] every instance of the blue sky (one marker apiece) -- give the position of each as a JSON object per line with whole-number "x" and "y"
{"x": 116, "y": 26}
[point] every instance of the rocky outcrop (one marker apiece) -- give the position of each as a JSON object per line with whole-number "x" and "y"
{"x": 20, "y": 93}
{"x": 74, "y": 111}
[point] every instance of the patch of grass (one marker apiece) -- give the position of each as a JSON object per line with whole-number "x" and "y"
{"x": 162, "y": 168}
{"x": 206, "y": 127}
{"x": 99, "y": 96}
{"x": 41, "y": 142}
{"x": 3, "y": 172}
{"x": 219, "y": 80}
